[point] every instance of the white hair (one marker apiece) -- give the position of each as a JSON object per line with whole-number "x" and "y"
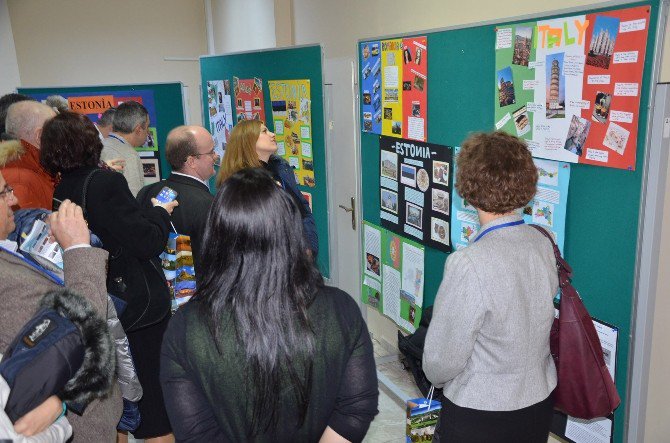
{"x": 24, "y": 118}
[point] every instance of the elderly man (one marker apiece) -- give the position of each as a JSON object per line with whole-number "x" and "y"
{"x": 20, "y": 158}
{"x": 190, "y": 152}
{"x": 130, "y": 127}
{"x": 23, "y": 284}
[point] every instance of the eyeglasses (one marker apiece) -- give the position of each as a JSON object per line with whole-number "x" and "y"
{"x": 212, "y": 153}
{"x": 6, "y": 192}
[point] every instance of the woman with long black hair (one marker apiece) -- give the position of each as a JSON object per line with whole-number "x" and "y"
{"x": 264, "y": 351}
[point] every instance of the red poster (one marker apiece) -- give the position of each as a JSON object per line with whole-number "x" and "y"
{"x": 614, "y": 62}
{"x": 249, "y": 102}
{"x": 415, "y": 88}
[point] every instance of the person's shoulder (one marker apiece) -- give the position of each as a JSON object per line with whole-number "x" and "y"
{"x": 338, "y": 300}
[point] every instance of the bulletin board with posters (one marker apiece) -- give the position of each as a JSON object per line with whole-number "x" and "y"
{"x": 283, "y": 88}
{"x": 463, "y": 87}
{"x": 164, "y": 102}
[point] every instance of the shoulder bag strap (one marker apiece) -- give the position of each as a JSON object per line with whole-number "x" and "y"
{"x": 564, "y": 269}
{"x": 84, "y": 193}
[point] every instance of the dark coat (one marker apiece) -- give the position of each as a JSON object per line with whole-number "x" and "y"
{"x": 133, "y": 236}
{"x": 283, "y": 172}
{"x": 190, "y": 216}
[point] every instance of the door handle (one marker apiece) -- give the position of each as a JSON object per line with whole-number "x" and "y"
{"x": 352, "y": 209}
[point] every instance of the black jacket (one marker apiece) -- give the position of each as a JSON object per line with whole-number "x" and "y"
{"x": 133, "y": 236}
{"x": 190, "y": 216}
{"x": 283, "y": 173}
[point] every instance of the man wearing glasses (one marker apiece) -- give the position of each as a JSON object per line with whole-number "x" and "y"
{"x": 190, "y": 152}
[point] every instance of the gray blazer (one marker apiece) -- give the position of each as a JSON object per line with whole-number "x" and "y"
{"x": 488, "y": 340}
{"x": 133, "y": 172}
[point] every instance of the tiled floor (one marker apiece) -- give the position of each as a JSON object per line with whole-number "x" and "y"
{"x": 389, "y": 425}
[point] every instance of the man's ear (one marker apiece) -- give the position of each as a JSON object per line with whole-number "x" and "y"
{"x": 38, "y": 135}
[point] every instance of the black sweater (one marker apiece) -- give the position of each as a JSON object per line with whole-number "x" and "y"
{"x": 208, "y": 395}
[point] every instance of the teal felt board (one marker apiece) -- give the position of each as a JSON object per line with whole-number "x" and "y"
{"x": 603, "y": 203}
{"x": 168, "y": 102}
{"x": 301, "y": 63}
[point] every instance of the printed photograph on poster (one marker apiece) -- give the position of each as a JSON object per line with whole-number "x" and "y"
{"x": 616, "y": 138}
{"x": 439, "y": 230}
{"x": 396, "y": 128}
{"x": 414, "y": 215}
{"x": 521, "y": 121}
{"x": 441, "y": 173}
{"x": 372, "y": 264}
{"x": 577, "y": 134}
{"x": 408, "y": 175}
{"x": 601, "y": 107}
{"x": 419, "y": 83}
{"x": 523, "y": 40}
{"x": 440, "y": 201}
{"x": 389, "y": 162}
{"x": 151, "y": 170}
{"x": 555, "y": 81}
{"x": 603, "y": 38}
{"x": 389, "y": 201}
{"x": 422, "y": 180}
{"x": 506, "y": 95}
{"x": 388, "y": 113}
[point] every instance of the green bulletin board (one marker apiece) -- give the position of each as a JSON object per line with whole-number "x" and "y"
{"x": 603, "y": 203}
{"x": 283, "y": 64}
{"x": 168, "y": 101}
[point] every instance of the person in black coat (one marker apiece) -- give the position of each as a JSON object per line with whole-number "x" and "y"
{"x": 253, "y": 145}
{"x": 190, "y": 152}
{"x": 133, "y": 236}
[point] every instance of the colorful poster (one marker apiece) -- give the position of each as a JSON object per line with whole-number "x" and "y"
{"x": 415, "y": 88}
{"x": 94, "y": 104}
{"x": 415, "y": 190}
{"x": 547, "y": 209}
{"x": 392, "y": 118}
{"x": 220, "y": 113}
{"x": 571, "y": 86}
{"x": 371, "y": 83}
{"x": 249, "y": 102}
{"x": 393, "y": 276}
{"x": 292, "y": 125}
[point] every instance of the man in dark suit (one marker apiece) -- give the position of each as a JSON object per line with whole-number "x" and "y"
{"x": 190, "y": 152}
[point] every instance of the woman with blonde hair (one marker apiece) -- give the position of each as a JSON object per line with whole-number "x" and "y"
{"x": 252, "y": 145}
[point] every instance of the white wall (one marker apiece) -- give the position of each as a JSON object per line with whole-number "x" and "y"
{"x": 9, "y": 72}
{"x": 100, "y": 42}
{"x": 243, "y": 25}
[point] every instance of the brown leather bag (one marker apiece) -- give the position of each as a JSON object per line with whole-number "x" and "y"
{"x": 585, "y": 387}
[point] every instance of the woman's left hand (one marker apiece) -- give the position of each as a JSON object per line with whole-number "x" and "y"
{"x": 39, "y": 418}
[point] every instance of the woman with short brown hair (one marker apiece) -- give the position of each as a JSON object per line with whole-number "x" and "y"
{"x": 488, "y": 342}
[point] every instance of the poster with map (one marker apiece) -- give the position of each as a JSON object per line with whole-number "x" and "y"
{"x": 547, "y": 209}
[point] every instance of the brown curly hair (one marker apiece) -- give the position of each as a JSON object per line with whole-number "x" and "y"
{"x": 496, "y": 172}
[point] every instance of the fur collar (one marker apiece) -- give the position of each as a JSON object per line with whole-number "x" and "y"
{"x": 10, "y": 151}
{"x": 95, "y": 377}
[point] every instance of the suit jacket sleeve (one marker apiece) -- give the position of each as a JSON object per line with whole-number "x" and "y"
{"x": 85, "y": 272}
{"x": 458, "y": 315}
{"x": 142, "y": 232}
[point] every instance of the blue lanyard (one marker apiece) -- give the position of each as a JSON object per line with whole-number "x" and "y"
{"x": 118, "y": 138}
{"x": 39, "y": 268}
{"x": 493, "y": 228}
